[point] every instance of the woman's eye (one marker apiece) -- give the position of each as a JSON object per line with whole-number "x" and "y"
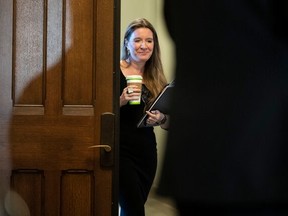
{"x": 140, "y": 41}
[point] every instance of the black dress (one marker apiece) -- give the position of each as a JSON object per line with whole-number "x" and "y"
{"x": 138, "y": 159}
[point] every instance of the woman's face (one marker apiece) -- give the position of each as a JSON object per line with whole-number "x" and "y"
{"x": 140, "y": 45}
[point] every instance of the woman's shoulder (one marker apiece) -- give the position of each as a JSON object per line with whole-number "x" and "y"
{"x": 124, "y": 66}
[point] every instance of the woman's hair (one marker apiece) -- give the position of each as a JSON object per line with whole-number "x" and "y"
{"x": 153, "y": 75}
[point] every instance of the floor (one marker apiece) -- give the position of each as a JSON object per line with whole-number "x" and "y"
{"x": 159, "y": 206}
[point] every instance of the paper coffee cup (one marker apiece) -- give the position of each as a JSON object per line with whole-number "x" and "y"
{"x": 135, "y": 80}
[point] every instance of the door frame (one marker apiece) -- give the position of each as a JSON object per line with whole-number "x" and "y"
{"x": 116, "y": 105}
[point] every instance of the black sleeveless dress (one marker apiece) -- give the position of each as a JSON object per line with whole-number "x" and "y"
{"x": 138, "y": 159}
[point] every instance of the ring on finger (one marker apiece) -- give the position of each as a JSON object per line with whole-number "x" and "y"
{"x": 129, "y": 90}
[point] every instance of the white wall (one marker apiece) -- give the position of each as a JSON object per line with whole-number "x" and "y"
{"x": 153, "y": 11}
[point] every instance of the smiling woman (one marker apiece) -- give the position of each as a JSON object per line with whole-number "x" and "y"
{"x": 138, "y": 146}
{"x": 152, "y": 10}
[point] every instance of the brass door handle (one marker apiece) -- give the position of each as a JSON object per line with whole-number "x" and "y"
{"x": 107, "y": 139}
{"x": 106, "y": 147}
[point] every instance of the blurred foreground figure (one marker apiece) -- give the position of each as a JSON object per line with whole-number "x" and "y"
{"x": 227, "y": 149}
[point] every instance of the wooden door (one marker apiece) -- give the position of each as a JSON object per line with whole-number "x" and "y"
{"x": 56, "y": 93}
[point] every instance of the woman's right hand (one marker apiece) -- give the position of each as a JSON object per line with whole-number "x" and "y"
{"x": 129, "y": 93}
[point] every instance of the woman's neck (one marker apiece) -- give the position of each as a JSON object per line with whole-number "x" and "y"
{"x": 132, "y": 68}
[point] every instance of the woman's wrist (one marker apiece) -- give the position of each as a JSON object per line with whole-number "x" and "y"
{"x": 163, "y": 120}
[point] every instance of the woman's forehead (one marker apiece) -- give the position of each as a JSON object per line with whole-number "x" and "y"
{"x": 142, "y": 33}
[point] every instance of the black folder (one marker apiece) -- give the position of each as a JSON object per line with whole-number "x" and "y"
{"x": 161, "y": 103}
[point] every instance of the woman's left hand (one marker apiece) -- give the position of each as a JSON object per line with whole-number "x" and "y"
{"x": 155, "y": 117}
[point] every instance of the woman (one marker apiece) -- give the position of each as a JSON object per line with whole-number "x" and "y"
{"x": 138, "y": 152}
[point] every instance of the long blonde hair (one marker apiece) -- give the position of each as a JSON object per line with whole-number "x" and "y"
{"x": 153, "y": 75}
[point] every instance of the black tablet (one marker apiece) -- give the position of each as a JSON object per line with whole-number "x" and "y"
{"x": 161, "y": 103}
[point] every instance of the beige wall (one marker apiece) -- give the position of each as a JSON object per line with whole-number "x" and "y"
{"x": 152, "y": 10}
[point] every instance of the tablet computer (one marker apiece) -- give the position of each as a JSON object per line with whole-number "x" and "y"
{"x": 161, "y": 103}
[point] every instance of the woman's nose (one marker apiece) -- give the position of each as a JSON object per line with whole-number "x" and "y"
{"x": 143, "y": 44}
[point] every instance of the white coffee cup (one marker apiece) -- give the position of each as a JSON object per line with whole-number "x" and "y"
{"x": 135, "y": 80}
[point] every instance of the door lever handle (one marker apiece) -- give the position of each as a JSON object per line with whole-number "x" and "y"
{"x": 106, "y": 147}
{"x": 107, "y": 139}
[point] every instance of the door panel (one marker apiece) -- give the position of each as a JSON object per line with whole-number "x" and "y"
{"x": 56, "y": 83}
